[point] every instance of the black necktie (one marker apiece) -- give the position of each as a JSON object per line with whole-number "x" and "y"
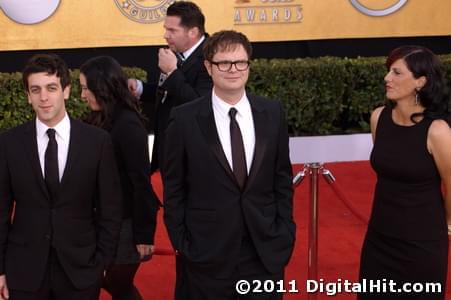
{"x": 180, "y": 59}
{"x": 51, "y": 165}
{"x": 238, "y": 155}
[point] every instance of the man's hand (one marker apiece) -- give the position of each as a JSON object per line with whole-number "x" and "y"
{"x": 133, "y": 87}
{"x": 167, "y": 61}
{"x": 4, "y": 293}
{"x": 145, "y": 251}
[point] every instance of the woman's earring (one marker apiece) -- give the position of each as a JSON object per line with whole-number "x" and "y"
{"x": 417, "y": 98}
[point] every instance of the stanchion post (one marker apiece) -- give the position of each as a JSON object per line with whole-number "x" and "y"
{"x": 314, "y": 170}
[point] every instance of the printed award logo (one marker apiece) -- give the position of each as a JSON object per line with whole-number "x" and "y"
{"x": 144, "y": 11}
{"x": 378, "y": 12}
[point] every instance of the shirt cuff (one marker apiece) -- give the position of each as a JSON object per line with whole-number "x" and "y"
{"x": 139, "y": 88}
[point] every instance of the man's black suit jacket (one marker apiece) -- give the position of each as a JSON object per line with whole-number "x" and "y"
{"x": 186, "y": 83}
{"x": 204, "y": 206}
{"x": 82, "y": 225}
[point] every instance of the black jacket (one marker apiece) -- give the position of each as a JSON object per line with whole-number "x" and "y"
{"x": 82, "y": 225}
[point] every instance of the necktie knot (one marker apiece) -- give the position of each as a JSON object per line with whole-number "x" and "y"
{"x": 51, "y": 133}
{"x": 180, "y": 58}
{"x": 233, "y": 112}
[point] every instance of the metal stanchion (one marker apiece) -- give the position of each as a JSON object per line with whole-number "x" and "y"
{"x": 313, "y": 169}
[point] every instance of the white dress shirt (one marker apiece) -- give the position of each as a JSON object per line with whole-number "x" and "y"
{"x": 245, "y": 121}
{"x": 62, "y": 136}
{"x": 188, "y": 52}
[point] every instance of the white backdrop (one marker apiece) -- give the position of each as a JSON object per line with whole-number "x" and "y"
{"x": 331, "y": 148}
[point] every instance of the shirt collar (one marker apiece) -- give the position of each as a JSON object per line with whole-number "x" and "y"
{"x": 242, "y": 106}
{"x": 190, "y": 51}
{"x": 62, "y": 129}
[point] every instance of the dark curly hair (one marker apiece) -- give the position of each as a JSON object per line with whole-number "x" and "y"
{"x": 434, "y": 95}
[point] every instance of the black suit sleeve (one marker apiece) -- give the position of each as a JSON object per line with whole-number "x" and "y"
{"x": 174, "y": 183}
{"x": 149, "y": 91}
{"x": 6, "y": 203}
{"x": 182, "y": 86}
{"x": 133, "y": 143}
{"x": 109, "y": 202}
{"x": 283, "y": 186}
{"x": 179, "y": 88}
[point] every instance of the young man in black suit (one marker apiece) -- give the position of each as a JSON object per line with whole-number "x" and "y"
{"x": 183, "y": 76}
{"x": 227, "y": 182}
{"x": 61, "y": 177}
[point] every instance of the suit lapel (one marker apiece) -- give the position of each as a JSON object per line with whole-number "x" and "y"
{"x": 193, "y": 58}
{"x": 75, "y": 143}
{"x": 260, "y": 124}
{"x": 31, "y": 147}
{"x": 207, "y": 124}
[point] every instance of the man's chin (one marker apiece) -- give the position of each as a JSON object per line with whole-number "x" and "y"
{"x": 172, "y": 47}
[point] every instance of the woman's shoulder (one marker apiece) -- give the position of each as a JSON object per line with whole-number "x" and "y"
{"x": 128, "y": 122}
{"x": 440, "y": 128}
{"x": 124, "y": 117}
{"x": 376, "y": 114}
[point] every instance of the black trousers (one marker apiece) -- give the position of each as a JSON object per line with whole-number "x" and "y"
{"x": 192, "y": 284}
{"x": 118, "y": 282}
{"x": 57, "y": 286}
{"x": 120, "y": 275}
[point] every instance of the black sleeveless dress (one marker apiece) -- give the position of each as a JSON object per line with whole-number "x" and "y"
{"x": 407, "y": 239}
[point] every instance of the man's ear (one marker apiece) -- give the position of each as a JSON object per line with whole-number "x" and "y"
{"x": 66, "y": 92}
{"x": 193, "y": 32}
{"x": 207, "y": 65}
{"x": 28, "y": 97}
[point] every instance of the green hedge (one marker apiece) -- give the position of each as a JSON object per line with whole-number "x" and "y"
{"x": 326, "y": 95}
{"x": 14, "y": 107}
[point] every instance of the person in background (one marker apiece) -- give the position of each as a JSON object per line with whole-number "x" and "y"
{"x": 407, "y": 238}
{"x": 183, "y": 76}
{"x": 227, "y": 176}
{"x": 60, "y": 198}
{"x": 104, "y": 88}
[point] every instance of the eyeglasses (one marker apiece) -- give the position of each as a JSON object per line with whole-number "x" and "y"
{"x": 226, "y": 65}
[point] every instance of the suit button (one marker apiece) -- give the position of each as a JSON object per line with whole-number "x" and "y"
{"x": 47, "y": 237}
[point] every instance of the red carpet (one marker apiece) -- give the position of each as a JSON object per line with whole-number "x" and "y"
{"x": 340, "y": 235}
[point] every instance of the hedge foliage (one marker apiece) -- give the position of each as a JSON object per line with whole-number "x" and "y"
{"x": 326, "y": 95}
{"x": 14, "y": 107}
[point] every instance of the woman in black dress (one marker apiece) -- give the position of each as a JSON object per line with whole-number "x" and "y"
{"x": 407, "y": 239}
{"x": 104, "y": 88}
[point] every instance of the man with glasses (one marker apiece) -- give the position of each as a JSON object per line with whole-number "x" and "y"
{"x": 183, "y": 76}
{"x": 227, "y": 182}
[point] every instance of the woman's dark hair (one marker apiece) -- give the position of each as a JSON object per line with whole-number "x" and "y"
{"x": 434, "y": 95}
{"x": 108, "y": 82}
